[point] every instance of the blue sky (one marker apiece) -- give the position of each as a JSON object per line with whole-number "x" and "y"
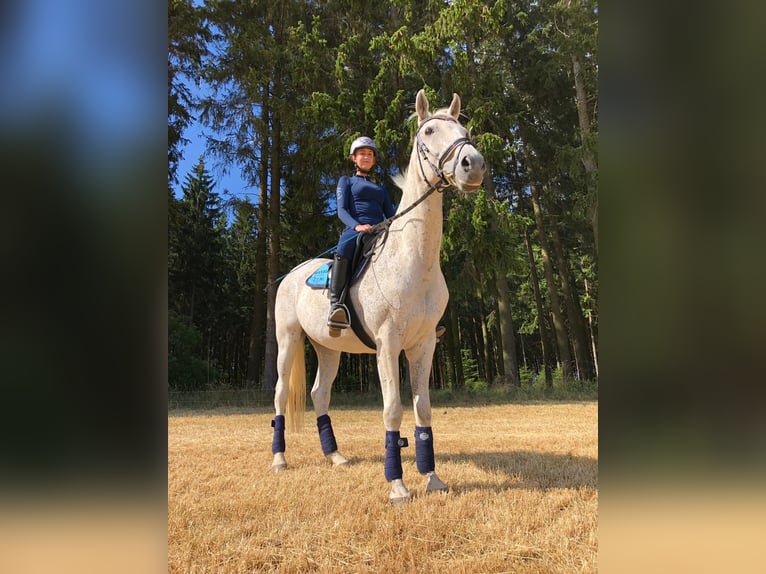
{"x": 82, "y": 61}
{"x": 196, "y": 147}
{"x": 97, "y": 67}
{"x": 191, "y": 154}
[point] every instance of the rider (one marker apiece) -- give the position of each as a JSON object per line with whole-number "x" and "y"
{"x": 361, "y": 204}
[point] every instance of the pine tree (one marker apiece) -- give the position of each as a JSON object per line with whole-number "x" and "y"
{"x": 196, "y": 258}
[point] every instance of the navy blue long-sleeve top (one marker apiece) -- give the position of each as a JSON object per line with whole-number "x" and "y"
{"x": 362, "y": 201}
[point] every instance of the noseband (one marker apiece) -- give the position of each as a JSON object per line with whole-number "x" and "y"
{"x": 424, "y": 154}
{"x": 445, "y": 179}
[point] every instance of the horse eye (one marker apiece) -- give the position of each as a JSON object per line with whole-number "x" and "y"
{"x": 429, "y": 130}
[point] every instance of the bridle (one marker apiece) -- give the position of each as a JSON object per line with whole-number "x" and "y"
{"x": 424, "y": 154}
{"x": 444, "y": 181}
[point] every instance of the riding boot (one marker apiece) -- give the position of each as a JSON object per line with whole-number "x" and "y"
{"x": 338, "y": 317}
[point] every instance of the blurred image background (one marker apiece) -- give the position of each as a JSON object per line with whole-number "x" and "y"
{"x": 82, "y": 304}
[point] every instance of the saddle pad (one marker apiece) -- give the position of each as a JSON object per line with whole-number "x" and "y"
{"x": 320, "y": 279}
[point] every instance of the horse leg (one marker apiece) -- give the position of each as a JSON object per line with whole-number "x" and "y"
{"x": 420, "y": 360}
{"x": 388, "y": 369}
{"x": 320, "y": 395}
{"x": 289, "y": 346}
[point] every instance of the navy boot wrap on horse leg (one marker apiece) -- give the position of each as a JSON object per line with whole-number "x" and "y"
{"x": 326, "y": 436}
{"x": 278, "y": 444}
{"x": 424, "y": 449}
{"x": 394, "y": 444}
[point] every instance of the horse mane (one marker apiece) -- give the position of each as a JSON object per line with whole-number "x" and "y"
{"x": 400, "y": 179}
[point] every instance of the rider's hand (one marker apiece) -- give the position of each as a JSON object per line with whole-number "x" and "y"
{"x": 363, "y": 228}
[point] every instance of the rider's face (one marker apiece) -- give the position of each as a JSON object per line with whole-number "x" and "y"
{"x": 364, "y": 158}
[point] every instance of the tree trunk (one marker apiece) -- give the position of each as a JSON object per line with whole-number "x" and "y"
{"x": 476, "y": 348}
{"x": 191, "y": 304}
{"x": 574, "y": 312}
{"x": 497, "y": 347}
{"x": 270, "y": 356}
{"x": 523, "y": 351}
{"x": 588, "y": 157}
{"x": 484, "y": 341}
{"x": 505, "y": 322}
{"x": 545, "y": 338}
{"x": 258, "y": 323}
{"x": 559, "y": 326}
{"x": 452, "y": 340}
{"x": 593, "y": 344}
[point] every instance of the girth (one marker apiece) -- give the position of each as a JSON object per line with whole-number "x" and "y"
{"x": 365, "y": 244}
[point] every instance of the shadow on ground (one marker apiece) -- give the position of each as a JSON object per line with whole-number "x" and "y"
{"x": 514, "y": 470}
{"x": 527, "y": 470}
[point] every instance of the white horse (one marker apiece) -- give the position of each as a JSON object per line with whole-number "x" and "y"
{"x": 399, "y": 300}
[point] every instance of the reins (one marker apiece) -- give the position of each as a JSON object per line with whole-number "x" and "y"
{"x": 444, "y": 182}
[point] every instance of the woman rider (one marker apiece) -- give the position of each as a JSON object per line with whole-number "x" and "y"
{"x": 361, "y": 204}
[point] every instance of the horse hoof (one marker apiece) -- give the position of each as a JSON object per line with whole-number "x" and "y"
{"x": 434, "y": 483}
{"x": 338, "y": 460}
{"x": 279, "y": 463}
{"x": 399, "y": 493}
{"x": 399, "y": 500}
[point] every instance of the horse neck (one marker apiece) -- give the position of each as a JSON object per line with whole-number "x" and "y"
{"x": 418, "y": 234}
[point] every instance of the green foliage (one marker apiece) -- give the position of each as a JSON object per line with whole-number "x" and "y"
{"x": 196, "y": 248}
{"x": 471, "y": 371}
{"x": 187, "y": 371}
{"x": 332, "y": 70}
{"x": 211, "y": 276}
{"x": 526, "y": 377}
{"x": 476, "y": 387}
{"x": 500, "y": 394}
{"x": 187, "y": 46}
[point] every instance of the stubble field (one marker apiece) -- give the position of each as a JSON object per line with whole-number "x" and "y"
{"x": 523, "y": 494}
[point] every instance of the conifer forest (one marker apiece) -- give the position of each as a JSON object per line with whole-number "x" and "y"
{"x": 281, "y": 89}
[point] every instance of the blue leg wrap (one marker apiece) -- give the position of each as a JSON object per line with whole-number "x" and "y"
{"x": 278, "y": 445}
{"x": 424, "y": 449}
{"x": 326, "y": 436}
{"x": 394, "y": 446}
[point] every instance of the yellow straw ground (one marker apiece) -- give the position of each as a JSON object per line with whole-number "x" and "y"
{"x": 523, "y": 494}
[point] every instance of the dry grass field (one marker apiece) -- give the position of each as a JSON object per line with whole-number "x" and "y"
{"x": 523, "y": 494}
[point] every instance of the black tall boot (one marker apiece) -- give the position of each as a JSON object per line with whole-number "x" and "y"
{"x": 338, "y": 317}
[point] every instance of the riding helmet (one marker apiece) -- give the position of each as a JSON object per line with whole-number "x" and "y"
{"x": 361, "y": 142}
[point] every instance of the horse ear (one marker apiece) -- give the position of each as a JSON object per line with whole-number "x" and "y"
{"x": 421, "y": 105}
{"x": 454, "y": 107}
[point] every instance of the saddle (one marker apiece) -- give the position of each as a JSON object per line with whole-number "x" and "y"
{"x": 320, "y": 279}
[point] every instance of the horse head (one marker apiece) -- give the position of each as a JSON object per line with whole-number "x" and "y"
{"x": 442, "y": 144}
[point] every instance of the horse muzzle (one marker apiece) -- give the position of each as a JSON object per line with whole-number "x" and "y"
{"x": 469, "y": 171}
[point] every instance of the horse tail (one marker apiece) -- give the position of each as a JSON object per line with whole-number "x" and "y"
{"x": 296, "y": 399}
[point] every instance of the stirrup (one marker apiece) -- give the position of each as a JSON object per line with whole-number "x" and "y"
{"x": 338, "y": 317}
{"x": 440, "y": 330}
